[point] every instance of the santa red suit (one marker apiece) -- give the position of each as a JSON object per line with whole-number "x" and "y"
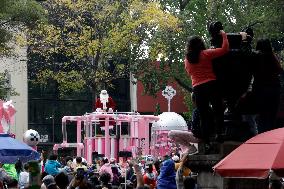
{"x": 106, "y": 104}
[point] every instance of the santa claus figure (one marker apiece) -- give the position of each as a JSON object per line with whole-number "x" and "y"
{"x": 105, "y": 102}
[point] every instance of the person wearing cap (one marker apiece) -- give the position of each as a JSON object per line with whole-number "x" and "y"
{"x": 49, "y": 182}
{"x": 178, "y": 164}
{"x": 175, "y": 158}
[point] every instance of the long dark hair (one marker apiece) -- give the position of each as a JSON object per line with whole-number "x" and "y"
{"x": 193, "y": 48}
{"x": 264, "y": 47}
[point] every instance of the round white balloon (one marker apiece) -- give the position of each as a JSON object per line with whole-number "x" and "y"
{"x": 31, "y": 137}
{"x": 170, "y": 121}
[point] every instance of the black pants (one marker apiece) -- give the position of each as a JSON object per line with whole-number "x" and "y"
{"x": 267, "y": 100}
{"x": 209, "y": 94}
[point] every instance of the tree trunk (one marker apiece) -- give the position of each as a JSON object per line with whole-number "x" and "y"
{"x": 94, "y": 94}
{"x": 183, "y": 4}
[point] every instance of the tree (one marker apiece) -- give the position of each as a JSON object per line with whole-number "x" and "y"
{"x": 92, "y": 42}
{"x": 6, "y": 90}
{"x": 14, "y": 14}
{"x": 99, "y": 41}
{"x": 194, "y": 17}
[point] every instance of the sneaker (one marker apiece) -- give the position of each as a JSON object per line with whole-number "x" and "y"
{"x": 192, "y": 150}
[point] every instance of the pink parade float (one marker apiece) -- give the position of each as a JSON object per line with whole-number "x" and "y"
{"x": 161, "y": 143}
{"x": 135, "y": 136}
{"x": 107, "y": 133}
{"x": 7, "y": 112}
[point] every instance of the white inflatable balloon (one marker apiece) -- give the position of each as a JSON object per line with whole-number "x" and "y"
{"x": 31, "y": 137}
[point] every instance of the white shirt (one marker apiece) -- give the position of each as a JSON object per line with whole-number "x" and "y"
{"x": 23, "y": 179}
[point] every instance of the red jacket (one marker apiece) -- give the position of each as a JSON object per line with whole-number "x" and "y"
{"x": 202, "y": 72}
{"x": 152, "y": 182}
{"x": 109, "y": 104}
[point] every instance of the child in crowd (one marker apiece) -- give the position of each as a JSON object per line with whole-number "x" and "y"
{"x": 24, "y": 177}
{"x": 52, "y": 165}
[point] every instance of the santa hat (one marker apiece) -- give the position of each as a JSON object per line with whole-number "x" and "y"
{"x": 103, "y": 92}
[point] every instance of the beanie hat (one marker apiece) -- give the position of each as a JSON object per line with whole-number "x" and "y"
{"x": 175, "y": 158}
{"x": 48, "y": 180}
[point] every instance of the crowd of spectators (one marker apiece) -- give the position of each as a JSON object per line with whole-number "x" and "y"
{"x": 74, "y": 173}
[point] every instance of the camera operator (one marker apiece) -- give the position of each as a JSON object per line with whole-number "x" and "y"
{"x": 232, "y": 70}
{"x": 198, "y": 64}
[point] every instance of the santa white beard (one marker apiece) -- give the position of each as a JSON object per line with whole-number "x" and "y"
{"x": 104, "y": 100}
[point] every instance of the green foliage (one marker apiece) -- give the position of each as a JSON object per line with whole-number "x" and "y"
{"x": 91, "y": 43}
{"x": 14, "y": 14}
{"x": 157, "y": 109}
{"x": 6, "y": 90}
{"x": 195, "y": 16}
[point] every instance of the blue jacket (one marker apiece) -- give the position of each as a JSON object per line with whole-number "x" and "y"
{"x": 166, "y": 179}
{"x": 52, "y": 167}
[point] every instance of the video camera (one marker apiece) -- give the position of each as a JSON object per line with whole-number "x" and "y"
{"x": 235, "y": 39}
{"x": 232, "y": 69}
{"x": 233, "y": 73}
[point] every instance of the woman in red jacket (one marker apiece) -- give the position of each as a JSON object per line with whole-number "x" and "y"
{"x": 198, "y": 64}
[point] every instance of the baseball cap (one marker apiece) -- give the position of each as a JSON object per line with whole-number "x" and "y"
{"x": 48, "y": 180}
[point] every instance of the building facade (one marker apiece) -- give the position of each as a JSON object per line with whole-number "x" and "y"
{"x": 16, "y": 67}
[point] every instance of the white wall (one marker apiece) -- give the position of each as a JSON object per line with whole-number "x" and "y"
{"x": 17, "y": 67}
